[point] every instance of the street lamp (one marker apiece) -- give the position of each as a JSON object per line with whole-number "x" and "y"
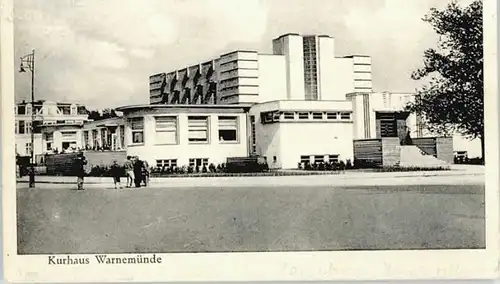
{"x": 28, "y": 62}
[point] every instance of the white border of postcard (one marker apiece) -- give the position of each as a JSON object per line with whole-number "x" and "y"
{"x": 357, "y": 265}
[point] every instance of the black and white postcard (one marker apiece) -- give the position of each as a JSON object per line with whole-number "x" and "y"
{"x": 223, "y": 140}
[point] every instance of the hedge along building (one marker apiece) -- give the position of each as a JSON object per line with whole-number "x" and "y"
{"x": 299, "y": 104}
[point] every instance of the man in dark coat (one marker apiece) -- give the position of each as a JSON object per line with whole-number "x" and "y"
{"x": 80, "y": 169}
{"x": 138, "y": 172}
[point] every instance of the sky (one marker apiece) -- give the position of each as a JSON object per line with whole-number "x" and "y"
{"x": 100, "y": 53}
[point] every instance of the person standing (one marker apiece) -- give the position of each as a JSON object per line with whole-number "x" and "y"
{"x": 145, "y": 172}
{"x": 138, "y": 171}
{"x": 116, "y": 173}
{"x": 129, "y": 170}
{"x": 81, "y": 162}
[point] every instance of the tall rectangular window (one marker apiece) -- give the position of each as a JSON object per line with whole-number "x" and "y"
{"x": 85, "y": 138}
{"x": 49, "y": 139}
{"x": 27, "y": 127}
{"x": 166, "y": 129}
{"x": 95, "y": 138}
{"x": 122, "y": 136}
{"x": 21, "y": 126}
{"x": 253, "y": 134}
{"x": 228, "y": 128}
{"x": 137, "y": 126}
{"x": 198, "y": 129}
{"x": 28, "y": 148}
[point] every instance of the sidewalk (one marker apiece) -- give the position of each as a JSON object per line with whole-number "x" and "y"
{"x": 458, "y": 175}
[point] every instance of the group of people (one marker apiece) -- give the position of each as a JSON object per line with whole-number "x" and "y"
{"x": 136, "y": 171}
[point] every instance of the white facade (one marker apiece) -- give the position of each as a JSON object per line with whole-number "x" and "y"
{"x": 57, "y": 126}
{"x": 183, "y": 136}
{"x": 288, "y": 132}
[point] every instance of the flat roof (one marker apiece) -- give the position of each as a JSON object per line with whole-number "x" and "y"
{"x": 215, "y": 106}
{"x": 239, "y": 50}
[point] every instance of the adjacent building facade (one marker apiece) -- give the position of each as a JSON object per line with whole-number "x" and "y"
{"x": 56, "y": 126}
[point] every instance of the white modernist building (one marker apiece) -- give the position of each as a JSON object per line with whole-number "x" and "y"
{"x": 299, "y": 104}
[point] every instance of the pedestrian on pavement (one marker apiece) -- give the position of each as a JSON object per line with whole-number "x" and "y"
{"x": 145, "y": 172}
{"x": 81, "y": 162}
{"x": 129, "y": 169}
{"x": 116, "y": 173}
{"x": 138, "y": 171}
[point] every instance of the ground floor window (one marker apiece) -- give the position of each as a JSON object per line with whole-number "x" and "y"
{"x": 319, "y": 158}
{"x": 49, "y": 146}
{"x": 317, "y": 115}
{"x": 345, "y": 116}
{"x": 166, "y": 163}
{"x": 305, "y": 159}
{"x": 198, "y": 162}
{"x": 333, "y": 158}
{"x": 303, "y": 115}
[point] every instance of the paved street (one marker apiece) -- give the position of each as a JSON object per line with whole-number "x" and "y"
{"x": 56, "y": 219}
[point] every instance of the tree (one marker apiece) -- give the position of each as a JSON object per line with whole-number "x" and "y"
{"x": 452, "y": 99}
{"x": 100, "y": 115}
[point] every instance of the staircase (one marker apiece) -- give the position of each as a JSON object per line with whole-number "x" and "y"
{"x": 412, "y": 156}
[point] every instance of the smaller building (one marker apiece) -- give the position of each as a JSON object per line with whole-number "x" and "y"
{"x": 55, "y": 126}
{"x": 105, "y": 134}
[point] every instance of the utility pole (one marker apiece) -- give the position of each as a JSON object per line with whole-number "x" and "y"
{"x": 28, "y": 61}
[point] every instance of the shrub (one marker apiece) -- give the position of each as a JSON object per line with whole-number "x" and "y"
{"x": 321, "y": 166}
{"x": 212, "y": 168}
{"x": 341, "y": 165}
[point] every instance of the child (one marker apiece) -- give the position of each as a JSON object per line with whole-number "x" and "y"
{"x": 116, "y": 173}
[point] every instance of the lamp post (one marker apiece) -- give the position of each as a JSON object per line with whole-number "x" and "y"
{"x": 28, "y": 62}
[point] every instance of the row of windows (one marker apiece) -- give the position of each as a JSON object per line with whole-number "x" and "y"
{"x": 327, "y": 158}
{"x": 64, "y": 110}
{"x": 276, "y": 116}
{"x": 193, "y": 162}
{"x": 166, "y": 129}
